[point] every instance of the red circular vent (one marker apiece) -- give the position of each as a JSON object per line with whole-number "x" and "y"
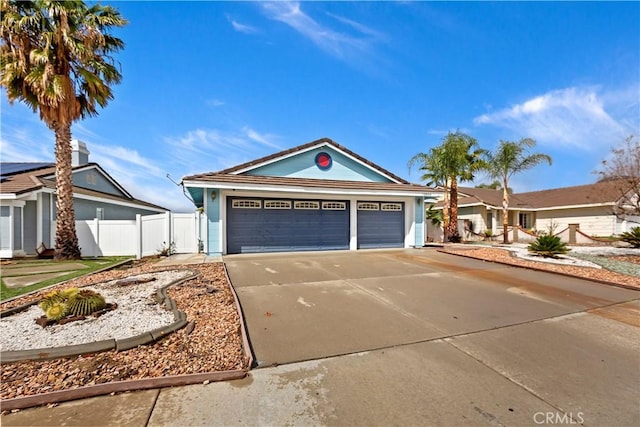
{"x": 323, "y": 161}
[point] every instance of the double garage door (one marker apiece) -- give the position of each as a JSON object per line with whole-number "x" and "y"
{"x": 276, "y": 225}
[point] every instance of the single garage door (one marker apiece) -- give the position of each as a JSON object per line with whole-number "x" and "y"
{"x": 277, "y": 225}
{"x": 380, "y": 225}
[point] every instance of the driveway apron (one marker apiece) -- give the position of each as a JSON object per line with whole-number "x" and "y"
{"x": 303, "y": 306}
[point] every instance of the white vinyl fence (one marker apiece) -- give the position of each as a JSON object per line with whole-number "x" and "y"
{"x": 144, "y": 236}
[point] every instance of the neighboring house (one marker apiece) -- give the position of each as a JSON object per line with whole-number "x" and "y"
{"x": 588, "y": 207}
{"x": 317, "y": 196}
{"x": 28, "y": 201}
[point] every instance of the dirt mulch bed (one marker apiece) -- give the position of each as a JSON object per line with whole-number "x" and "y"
{"x": 213, "y": 344}
{"x": 505, "y": 257}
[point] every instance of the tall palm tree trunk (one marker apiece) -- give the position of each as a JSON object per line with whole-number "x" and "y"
{"x": 445, "y": 213}
{"x": 505, "y": 212}
{"x": 66, "y": 238}
{"x": 452, "y": 232}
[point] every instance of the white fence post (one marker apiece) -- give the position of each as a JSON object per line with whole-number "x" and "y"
{"x": 96, "y": 249}
{"x": 138, "y": 236}
{"x": 167, "y": 230}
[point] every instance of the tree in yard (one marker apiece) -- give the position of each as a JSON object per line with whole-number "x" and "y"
{"x": 456, "y": 159}
{"x": 434, "y": 175}
{"x": 56, "y": 57}
{"x": 623, "y": 169}
{"x": 508, "y": 159}
{"x": 495, "y": 185}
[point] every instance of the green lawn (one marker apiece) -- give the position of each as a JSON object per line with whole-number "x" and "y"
{"x": 91, "y": 265}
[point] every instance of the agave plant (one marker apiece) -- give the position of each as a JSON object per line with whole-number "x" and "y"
{"x": 548, "y": 246}
{"x": 632, "y": 237}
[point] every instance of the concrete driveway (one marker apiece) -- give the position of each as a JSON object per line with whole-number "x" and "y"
{"x": 307, "y": 306}
{"x": 406, "y": 337}
{"x": 420, "y": 337}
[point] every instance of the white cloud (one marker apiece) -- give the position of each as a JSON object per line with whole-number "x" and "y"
{"x": 264, "y": 139}
{"x": 204, "y": 150}
{"x": 580, "y": 117}
{"x": 123, "y": 160}
{"x": 338, "y": 44}
{"x": 18, "y": 144}
{"x": 242, "y": 28}
{"x": 215, "y": 103}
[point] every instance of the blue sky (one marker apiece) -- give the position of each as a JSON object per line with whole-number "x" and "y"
{"x": 207, "y": 85}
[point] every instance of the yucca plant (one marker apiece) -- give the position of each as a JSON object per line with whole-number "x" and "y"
{"x": 632, "y": 237}
{"x": 548, "y": 246}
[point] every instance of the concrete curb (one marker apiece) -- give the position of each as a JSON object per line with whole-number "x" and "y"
{"x": 574, "y": 276}
{"x": 106, "y": 345}
{"x": 118, "y": 387}
{"x": 248, "y": 351}
{"x": 147, "y": 383}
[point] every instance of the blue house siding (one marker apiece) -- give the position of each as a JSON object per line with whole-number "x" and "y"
{"x": 303, "y": 165}
{"x": 214, "y": 246}
{"x": 5, "y": 227}
{"x": 419, "y": 221}
{"x": 86, "y": 210}
{"x": 92, "y": 179}
{"x": 46, "y": 220}
{"x": 30, "y": 220}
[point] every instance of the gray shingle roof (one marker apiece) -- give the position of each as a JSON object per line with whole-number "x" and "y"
{"x": 604, "y": 192}
{"x": 35, "y": 179}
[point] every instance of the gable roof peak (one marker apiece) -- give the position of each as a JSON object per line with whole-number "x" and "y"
{"x": 244, "y": 167}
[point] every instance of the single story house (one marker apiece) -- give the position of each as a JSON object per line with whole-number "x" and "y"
{"x": 317, "y": 196}
{"x": 588, "y": 207}
{"x": 28, "y": 201}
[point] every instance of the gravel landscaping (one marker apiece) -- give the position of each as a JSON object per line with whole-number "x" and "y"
{"x": 611, "y": 268}
{"x": 211, "y": 342}
{"x": 137, "y": 313}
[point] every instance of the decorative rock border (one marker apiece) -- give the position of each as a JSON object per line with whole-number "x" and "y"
{"x": 143, "y": 384}
{"x": 180, "y": 321}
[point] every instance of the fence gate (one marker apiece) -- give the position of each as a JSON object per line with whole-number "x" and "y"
{"x": 146, "y": 235}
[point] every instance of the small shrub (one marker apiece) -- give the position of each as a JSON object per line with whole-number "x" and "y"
{"x": 488, "y": 233}
{"x": 167, "y": 250}
{"x": 632, "y": 237}
{"x": 548, "y": 246}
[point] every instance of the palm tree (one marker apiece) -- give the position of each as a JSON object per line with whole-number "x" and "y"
{"x": 56, "y": 58}
{"x": 508, "y": 159}
{"x": 456, "y": 159}
{"x": 434, "y": 175}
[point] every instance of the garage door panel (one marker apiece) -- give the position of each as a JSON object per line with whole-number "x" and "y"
{"x": 280, "y": 229}
{"x": 380, "y": 225}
